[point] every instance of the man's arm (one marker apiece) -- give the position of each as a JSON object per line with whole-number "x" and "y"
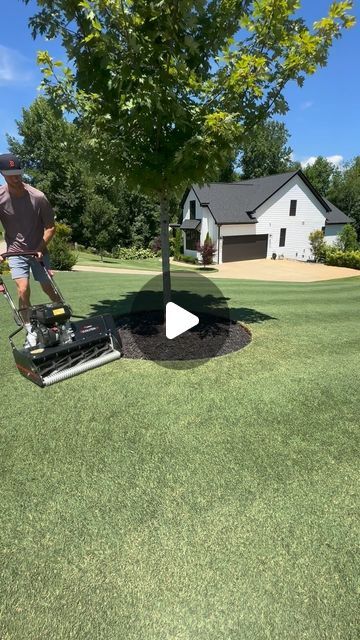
{"x": 49, "y": 233}
{"x": 48, "y": 219}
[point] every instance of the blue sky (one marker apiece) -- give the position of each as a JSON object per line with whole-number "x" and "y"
{"x": 323, "y": 117}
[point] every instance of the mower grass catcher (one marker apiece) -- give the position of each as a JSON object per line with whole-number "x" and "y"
{"x": 62, "y": 348}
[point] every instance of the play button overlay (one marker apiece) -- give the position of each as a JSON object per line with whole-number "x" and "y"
{"x": 195, "y": 326}
{"x": 178, "y": 320}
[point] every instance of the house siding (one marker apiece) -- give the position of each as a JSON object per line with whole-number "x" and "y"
{"x": 207, "y": 224}
{"x": 273, "y": 216}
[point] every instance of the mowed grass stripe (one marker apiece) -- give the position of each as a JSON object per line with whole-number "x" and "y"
{"x": 218, "y": 502}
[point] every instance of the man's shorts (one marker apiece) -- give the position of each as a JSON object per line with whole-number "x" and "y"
{"x": 20, "y": 267}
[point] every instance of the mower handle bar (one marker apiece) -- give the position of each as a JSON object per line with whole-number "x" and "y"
{"x": 10, "y": 254}
{"x": 34, "y": 254}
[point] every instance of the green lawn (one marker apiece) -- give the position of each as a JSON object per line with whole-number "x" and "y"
{"x": 150, "y": 264}
{"x": 216, "y": 503}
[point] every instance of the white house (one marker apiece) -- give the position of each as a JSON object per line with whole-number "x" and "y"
{"x": 256, "y": 218}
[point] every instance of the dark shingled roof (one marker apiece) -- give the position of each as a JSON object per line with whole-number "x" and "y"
{"x": 335, "y": 216}
{"x": 190, "y": 224}
{"x": 234, "y": 202}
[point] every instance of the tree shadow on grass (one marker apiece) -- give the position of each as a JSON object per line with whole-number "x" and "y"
{"x": 139, "y": 316}
{"x": 150, "y": 300}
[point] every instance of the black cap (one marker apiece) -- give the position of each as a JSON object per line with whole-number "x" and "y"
{"x": 10, "y": 165}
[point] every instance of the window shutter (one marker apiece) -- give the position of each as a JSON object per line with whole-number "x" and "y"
{"x": 282, "y": 237}
{"x": 293, "y": 204}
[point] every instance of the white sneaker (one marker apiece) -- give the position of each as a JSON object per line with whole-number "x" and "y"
{"x": 31, "y": 339}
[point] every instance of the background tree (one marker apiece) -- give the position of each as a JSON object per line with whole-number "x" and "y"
{"x": 145, "y": 88}
{"x": 345, "y": 191}
{"x": 266, "y": 151}
{"x": 228, "y": 172}
{"x": 55, "y": 155}
{"x": 347, "y": 239}
{"x": 320, "y": 175}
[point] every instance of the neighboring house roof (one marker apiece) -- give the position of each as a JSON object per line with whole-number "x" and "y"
{"x": 236, "y": 202}
{"x": 190, "y": 224}
{"x": 335, "y": 216}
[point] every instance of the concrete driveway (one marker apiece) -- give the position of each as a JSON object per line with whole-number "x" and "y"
{"x": 281, "y": 271}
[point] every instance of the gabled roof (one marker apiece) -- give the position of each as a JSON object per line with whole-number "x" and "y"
{"x": 236, "y": 202}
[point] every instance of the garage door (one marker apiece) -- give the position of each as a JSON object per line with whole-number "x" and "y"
{"x": 244, "y": 248}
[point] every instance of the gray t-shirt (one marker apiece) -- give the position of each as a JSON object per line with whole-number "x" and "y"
{"x": 24, "y": 218}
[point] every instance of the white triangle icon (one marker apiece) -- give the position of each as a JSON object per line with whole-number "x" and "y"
{"x": 178, "y": 320}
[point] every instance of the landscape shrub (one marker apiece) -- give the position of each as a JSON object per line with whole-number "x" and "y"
{"x": 317, "y": 243}
{"x": 4, "y": 267}
{"x": 61, "y": 255}
{"x": 188, "y": 259}
{"x": 132, "y": 253}
{"x": 336, "y": 258}
{"x": 207, "y": 251}
{"x": 155, "y": 245}
{"x": 177, "y": 244}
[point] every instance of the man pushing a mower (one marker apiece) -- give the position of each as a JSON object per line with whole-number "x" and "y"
{"x": 28, "y": 221}
{"x": 56, "y": 347}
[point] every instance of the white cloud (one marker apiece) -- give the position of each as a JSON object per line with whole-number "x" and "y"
{"x": 306, "y": 105}
{"x": 308, "y": 162}
{"x": 336, "y": 160}
{"x": 14, "y": 68}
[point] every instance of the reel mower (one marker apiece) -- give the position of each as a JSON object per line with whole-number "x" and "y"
{"x": 63, "y": 348}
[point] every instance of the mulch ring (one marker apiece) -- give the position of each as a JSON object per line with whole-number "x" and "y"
{"x": 143, "y": 337}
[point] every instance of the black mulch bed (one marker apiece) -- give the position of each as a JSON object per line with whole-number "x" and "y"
{"x": 143, "y": 337}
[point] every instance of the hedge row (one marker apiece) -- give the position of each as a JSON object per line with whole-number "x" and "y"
{"x": 132, "y": 253}
{"x": 337, "y": 258}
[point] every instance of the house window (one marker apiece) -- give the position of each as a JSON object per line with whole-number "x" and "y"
{"x": 192, "y": 209}
{"x": 282, "y": 237}
{"x": 192, "y": 238}
{"x": 293, "y": 204}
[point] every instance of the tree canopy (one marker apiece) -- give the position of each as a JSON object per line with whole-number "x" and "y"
{"x": 54, "y": 154}
{"x": 172, "y": 87}
{"x": 167, "y": 90}
{"x": 345, "y": 190}
{"x": 320, "y": 174}
{"x": 266, "y": 151}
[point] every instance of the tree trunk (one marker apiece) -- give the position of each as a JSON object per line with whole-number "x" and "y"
{"x": 165, "y": 251}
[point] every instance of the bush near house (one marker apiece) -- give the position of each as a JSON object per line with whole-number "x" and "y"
{"x": 336, "y": 258}
{"x": 207, "y": 251}
{"x": 188, "y": 259}
{"x": 317, "y": 243}
{"x": 176, "y": 244}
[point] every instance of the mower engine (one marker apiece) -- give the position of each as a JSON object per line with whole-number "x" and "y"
{"x": 51, "y": 324}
